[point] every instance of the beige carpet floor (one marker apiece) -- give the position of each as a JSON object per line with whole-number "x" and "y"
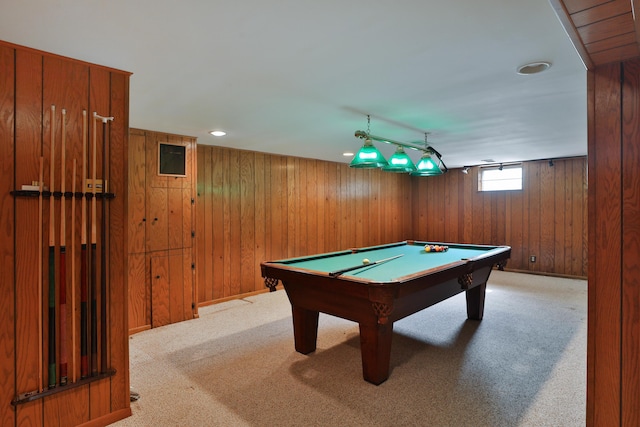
{"x": 523, "y": 365}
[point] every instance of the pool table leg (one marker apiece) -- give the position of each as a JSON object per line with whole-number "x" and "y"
{"x": 475, "y": 301}
{"x": 305, "y": 329}
{"x": 375, "y": 346}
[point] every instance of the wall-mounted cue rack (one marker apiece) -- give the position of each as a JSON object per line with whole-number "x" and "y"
{"x": 31, "y": 82}
{"x": 81, "y": 330}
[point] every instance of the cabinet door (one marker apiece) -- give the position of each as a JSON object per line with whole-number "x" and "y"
{"x": 137, "y": 223}
{"x": 160, "y": 302}
{"x": 157, "y": 233}
{"x": 188, "y": 211}
{"x": 180, "y": 285}
{"x": 175, "y": 217}
{"x": 171, "y": 287}
{"x": 139, "y": 309}
{"x": 136, "y": 194}
{"x": 152, "y": 153}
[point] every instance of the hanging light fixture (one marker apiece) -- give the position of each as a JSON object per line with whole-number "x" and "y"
{"x": 368, "y": 156}
{"x": 430, "y": 164}
{"x": 399, "y": 162}
{"x": 426, "y": 166}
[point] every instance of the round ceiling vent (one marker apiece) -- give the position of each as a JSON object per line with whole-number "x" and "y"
{"x": 533, "y": 68}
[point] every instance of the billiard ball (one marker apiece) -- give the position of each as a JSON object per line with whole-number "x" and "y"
{"x": 366, "y": 261}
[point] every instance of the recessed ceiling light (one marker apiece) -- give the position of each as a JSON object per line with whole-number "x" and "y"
{"x": 347, "y": 154}
{"x": 217, "y": 133}
{"x": 533, "y": 68}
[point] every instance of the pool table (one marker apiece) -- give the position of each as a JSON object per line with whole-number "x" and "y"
{"x": 376, "y": 294}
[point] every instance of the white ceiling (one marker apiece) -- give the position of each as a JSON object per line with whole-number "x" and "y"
{"x": 298, "y": 77}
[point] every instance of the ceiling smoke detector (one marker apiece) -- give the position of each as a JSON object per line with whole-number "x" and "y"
{"x": 533, "y": 68}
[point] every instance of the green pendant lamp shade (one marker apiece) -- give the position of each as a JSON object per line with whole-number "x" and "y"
{"x": 399, "y": 162}
{"x": 426, "y": 167}
{"x": 368, "y": 157}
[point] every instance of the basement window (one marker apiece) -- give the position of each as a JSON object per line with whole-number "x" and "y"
{"x": 500, "y": 178}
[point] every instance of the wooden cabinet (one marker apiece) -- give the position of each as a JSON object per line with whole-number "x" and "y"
{"x": 161, "y": 232}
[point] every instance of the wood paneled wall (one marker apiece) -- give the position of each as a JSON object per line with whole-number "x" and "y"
{"x": 547, "y": 219}
{"x": 613, "y": 347}
{"x": 253, "y": 207}
{"x": 30, "y": 83}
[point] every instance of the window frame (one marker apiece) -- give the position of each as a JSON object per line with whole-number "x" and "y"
{"x": 483, "y": 169}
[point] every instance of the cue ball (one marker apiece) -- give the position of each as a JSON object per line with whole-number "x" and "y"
{"x": 366, "y": 261}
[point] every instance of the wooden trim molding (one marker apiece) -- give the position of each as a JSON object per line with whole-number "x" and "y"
{"x": 567, "y": 23}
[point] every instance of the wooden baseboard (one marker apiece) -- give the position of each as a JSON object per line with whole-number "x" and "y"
{"x": 542, "y": 273}
{"x": 231, "y": 298}
{"x": 139, "y": 329}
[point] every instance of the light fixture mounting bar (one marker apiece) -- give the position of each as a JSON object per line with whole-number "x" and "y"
{"x": 364, "y": 135}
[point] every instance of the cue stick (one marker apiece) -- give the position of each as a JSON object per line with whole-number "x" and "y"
{"x": 93, "y": 361}
{"x": 355, "y": 267}
{"x": 73, "y": 273}
{"x": 40, "y": 222}
{"x": 103, "y": 249}
{"x": 62, "y": 303}
{"x": 84, "y": 365}
{"x": 52, "y": 256}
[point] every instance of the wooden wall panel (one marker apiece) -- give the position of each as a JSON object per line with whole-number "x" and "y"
{"x": 273, "y": 207}
{"x": 548, "y": 215}
{"x": 259, "y": 244}
{"x": 222, "y": 208}
{"x": 29, "y": 335}
{"x": 605, "y": 186}
{"x": 514, "y": 228}
{"x": 235, "y": 223}
{"x": 188, "y": 277}
{"x": 99, "y": 102}
{"x": 535, "y": 209}
{"x": 630, "y": 361}
{"x": 591, "y": 261}
{"x": 247, "y": 224}
{"x": 188, "y": 217}
{"x": 157, "y": 219}
{"x": 160, "y": 288}
{"x": 545, "y": 219}
{"x": 176, "y": 289}
{"x": 137, "y": 185}
{"x": 177, "y": 217}
{"x": 139, "y": 296}
{"x": 278, "y": 201}
{"x": 203, "y": 196}
{"x": 7, "y": 286}
{"x": 562, "y": 200}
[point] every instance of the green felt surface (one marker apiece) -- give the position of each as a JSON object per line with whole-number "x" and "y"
{"x": 414, "y": 259}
